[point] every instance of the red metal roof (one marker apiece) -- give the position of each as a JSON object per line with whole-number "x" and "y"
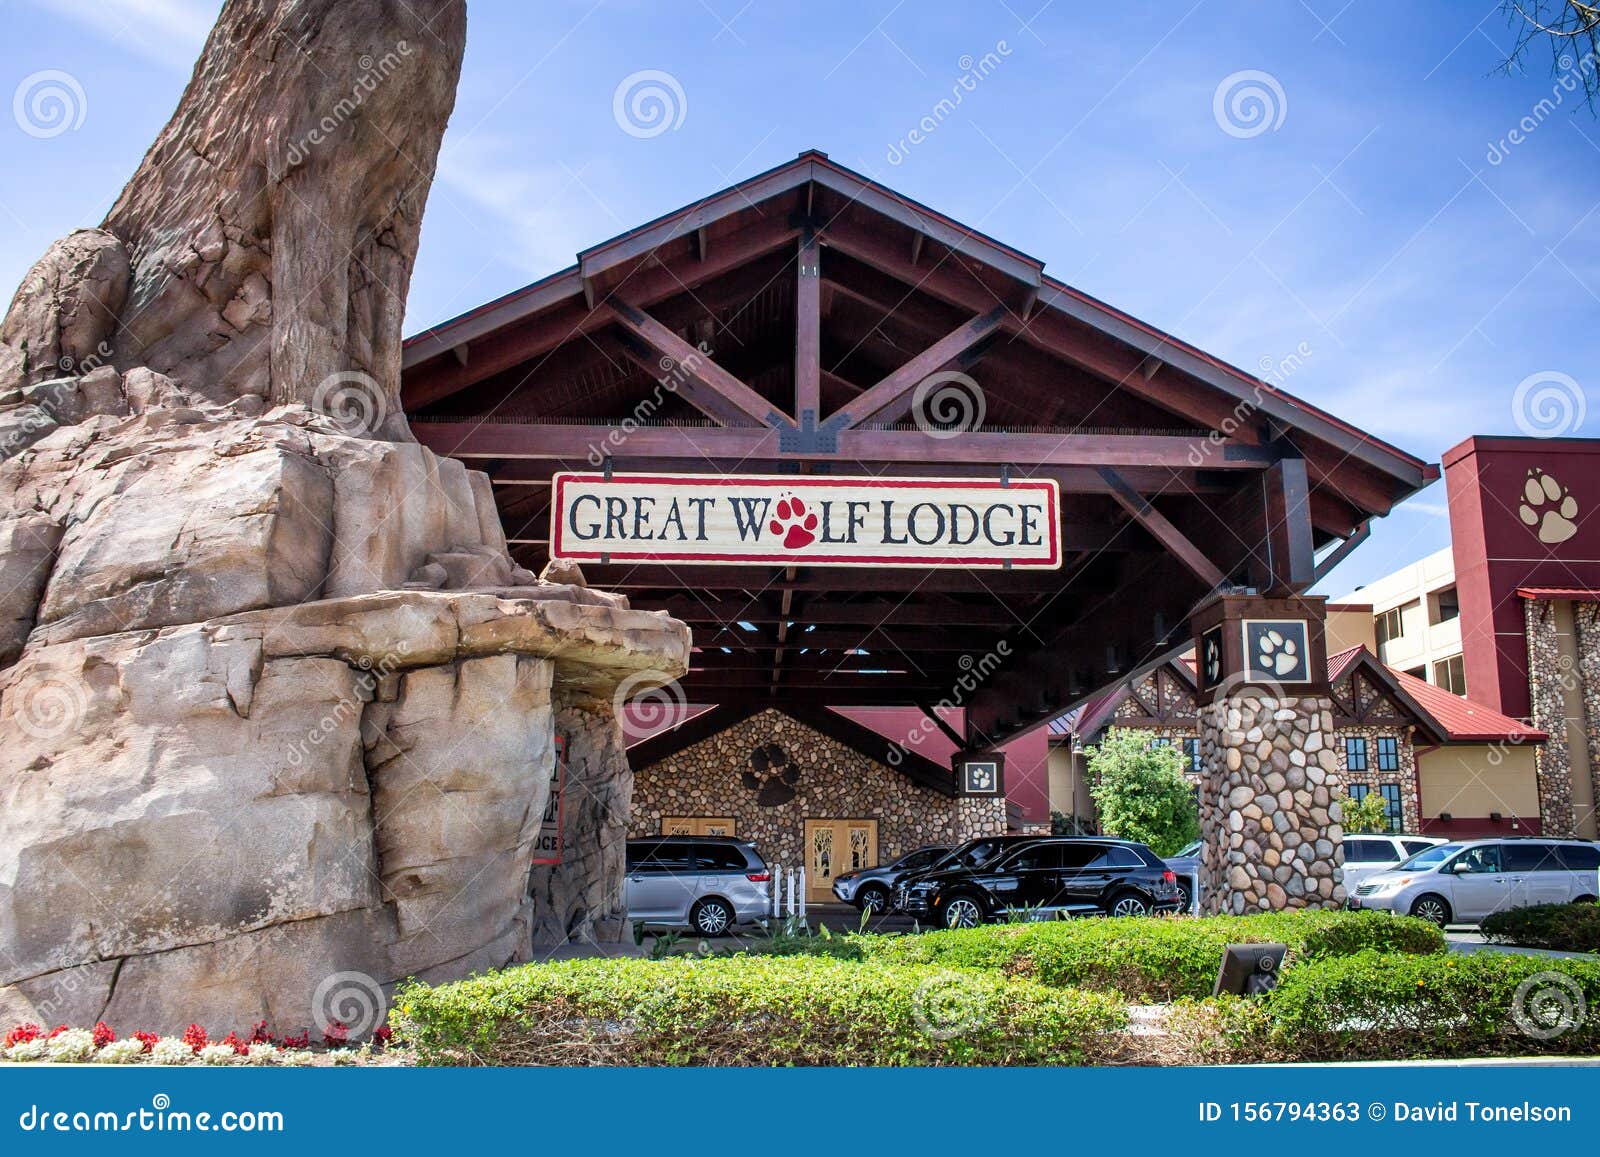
{"x": 1340, "y": 663}
{"x": 1571, "y": 594}
{"x": 1462, "y": 720}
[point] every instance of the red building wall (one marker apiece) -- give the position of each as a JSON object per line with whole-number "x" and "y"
{"x": 1497, "y": 549}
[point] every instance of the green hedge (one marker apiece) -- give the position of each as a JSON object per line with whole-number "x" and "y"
{"x": 1152, "y": 960}
{"x": 1563, "y": 927}
{"x": 751, "y": 1010}
{"x": 1383, "y": 1006}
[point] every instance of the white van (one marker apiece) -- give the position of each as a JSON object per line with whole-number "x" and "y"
{"x": 1461, "y": 883}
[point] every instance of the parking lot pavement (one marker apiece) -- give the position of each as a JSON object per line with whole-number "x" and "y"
{"x": 1471, "y": 940}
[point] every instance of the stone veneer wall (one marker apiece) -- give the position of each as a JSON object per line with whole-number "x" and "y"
{"x": 1405, "y": 775}
{"x": 835, "y": 782}
{"x": 1586, "y": 623}
{"x": 1273, "y": 835}
{"x": 978, "y": 815}
{"x": 1547, "y": 696}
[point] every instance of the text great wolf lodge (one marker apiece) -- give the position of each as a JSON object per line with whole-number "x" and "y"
{"x": 834, "y": 521}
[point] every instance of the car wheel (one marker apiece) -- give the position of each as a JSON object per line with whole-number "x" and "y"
{"x": 1186, "y": 890}
{"x": 1127, "y": 903}
{"x": 874, "y": 899}
{"x": 711, "y": 917}
{"x": 1434, "y": 909}
{"x": 962, "y": 912}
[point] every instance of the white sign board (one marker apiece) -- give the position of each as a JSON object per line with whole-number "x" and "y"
{"x": 807, "y": 520}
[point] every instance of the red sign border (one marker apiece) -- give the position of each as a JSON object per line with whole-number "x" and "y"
{"x": 800, "y": 481}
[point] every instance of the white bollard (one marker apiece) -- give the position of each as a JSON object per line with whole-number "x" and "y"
{"x": 802, "y": 895}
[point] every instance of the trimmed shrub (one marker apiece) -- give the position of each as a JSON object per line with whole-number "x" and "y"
{"x": 1373, "y": 1005}
{"x": 751, "y": 1010}
{"x": 1151, "y": 960}
{"x": 1562, "y": 927}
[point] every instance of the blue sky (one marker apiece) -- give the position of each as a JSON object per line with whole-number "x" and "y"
{"x": 1364, "y": 233}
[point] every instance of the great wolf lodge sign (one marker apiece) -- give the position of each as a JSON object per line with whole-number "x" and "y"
{"x": 807, "y": 520}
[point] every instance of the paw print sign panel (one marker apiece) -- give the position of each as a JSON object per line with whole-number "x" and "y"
{"x": 1547, "y": 508}
{"x": 1277, "y": 650}
{"x": 980, "y": 777}
{"x": 817, "y": 520}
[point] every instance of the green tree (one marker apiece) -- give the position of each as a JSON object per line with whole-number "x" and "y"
{"x": 1364, "y": 815}
{"x": 1141, "y": 793}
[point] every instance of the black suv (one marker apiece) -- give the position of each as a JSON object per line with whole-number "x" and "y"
{"x": 971, "y": 854}
{"x": 1045, "y": 878}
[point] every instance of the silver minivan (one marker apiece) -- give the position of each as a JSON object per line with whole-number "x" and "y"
{"x": 1462, "y": 882}
{"x": 703, "y": 883}
{"x": 1367, "y": 855}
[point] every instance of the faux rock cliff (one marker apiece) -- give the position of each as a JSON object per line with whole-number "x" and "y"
{"x": 277, "y": 712}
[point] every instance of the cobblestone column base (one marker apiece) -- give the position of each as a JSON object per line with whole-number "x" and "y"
{"x": 1273, "y": 835}
{"x": 980, "y": 815}
{"x": 1586, "y": 620}
{"x": 1545, "y": 675}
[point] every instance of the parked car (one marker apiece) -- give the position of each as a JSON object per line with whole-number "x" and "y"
{"x": 874, "y": 887}
{"x": 1185, "y": 864}
{"x": 1047, "y": 877}
{"x": 704, "y": 883}
{"x": 1367, "y": 855}
{"x": 1462, "y": 882}
{"x": 970, "y": 854}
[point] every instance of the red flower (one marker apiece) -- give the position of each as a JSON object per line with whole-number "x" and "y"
{"x": 259, "y": 1034}
{"x": 382, "y": 1034}
{"x": 238, "y": 1046}
{"x": 147, "y": 1039}
{"x": 335, "y": 1035}
{"x": 103, "y": 1034}
{"x": 195, "y": 1037}
{"x": 297, "y": 1042}
{"x": 57, "y": 1031}
{"x": 23, "y": 1032}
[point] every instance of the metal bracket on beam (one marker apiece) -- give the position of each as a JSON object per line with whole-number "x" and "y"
{"x": 808, "y": 437}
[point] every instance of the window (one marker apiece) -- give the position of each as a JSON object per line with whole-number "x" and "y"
{"x": 1359, "y": 851}
{"x": 1077, "y": 855}
{"x": 1579, "y": 857}
{"x": 1444, "y": 605}
{"x": 1412, "y": 847}
{"x": 1483, "y": 858}
{"x": 1520, "y": 857}
{"x": 920, "y": 858}
{"x": 1355, "y": 753}
{"x": 1388, "y": 753}
{"x": 1191, "y": 751}
{"x": 1451, "y": 674}
{"x": 1039, "y": 856}
{"x": 1161, "y": 741}
{"x": 719, "y": 858}
{"x": 1115, "y": 857}
{"x": 1358, "y": 791}
{"x": 1391, "y": 804}
{"x": 1389, "y": 625}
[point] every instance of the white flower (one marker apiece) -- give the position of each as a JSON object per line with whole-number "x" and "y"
{"x": 217, "y": 1055}
{"x": 27, "y": 1050}
{"x": 261, "y": 1054}
{"x": 73, "y": 1045}
{"x": 295, "y": 1057}
{"x": 171, "y": 1050}
{"x": 121, "y": 1052}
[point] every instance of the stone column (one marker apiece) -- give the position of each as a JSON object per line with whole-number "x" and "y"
{"x": 1547, "y": 696}
{"x": 980, "y": 804}
{"x": 1274, "y": 838}
{"x": 1586, "y": 621}
{"x": 1273, "y": 835}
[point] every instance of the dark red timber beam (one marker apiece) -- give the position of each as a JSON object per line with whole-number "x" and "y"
{"x": 889, "y": 400}
{"x": 808, "y": 332}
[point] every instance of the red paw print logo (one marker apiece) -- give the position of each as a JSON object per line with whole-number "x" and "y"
{"x": 794, "y": 524}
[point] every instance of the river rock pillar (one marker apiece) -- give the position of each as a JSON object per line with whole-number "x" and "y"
{"x": 1272, "y": 831}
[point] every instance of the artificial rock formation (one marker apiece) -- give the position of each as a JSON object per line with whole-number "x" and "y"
{"x": 278, "y": 711}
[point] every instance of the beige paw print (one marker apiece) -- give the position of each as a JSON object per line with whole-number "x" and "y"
{"x": 1278, "y": 654}
{"x": 1548, "y": 508}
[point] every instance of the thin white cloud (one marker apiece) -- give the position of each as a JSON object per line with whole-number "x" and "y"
{"x": 168, "y": 32}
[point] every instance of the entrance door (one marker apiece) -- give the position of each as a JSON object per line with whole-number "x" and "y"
{"x": 697, "y": 825}
{"x": 834, "y": 847}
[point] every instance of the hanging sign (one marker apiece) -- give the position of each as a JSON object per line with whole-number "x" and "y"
{"x": 807, "y": 520}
